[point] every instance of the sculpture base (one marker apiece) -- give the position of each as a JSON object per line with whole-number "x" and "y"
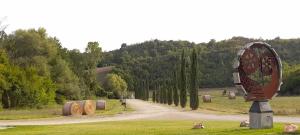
{"x": 260, "y": 115}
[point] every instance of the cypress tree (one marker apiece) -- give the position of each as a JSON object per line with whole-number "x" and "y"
{"x": 157, "y": 94}
{"x": 147, "y": 91}
{"x": 136, "y": 92}
{"x": 161, "y": 95}
{"x": 143, "y": 92}
{"x": 153, "y": 96}
{"x": 170, "y": 96}
{"x": 165, "y": 100}
{"x": 175, "y": 89}
{"x": 194, "y": 101}
{"x": 183, "y": 93}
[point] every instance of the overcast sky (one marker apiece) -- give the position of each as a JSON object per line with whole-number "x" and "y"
{"x": 113, "y": 22}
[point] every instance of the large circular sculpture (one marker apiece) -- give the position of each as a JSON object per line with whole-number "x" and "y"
{"x": 258, "y": 74}
{"x": 258, "y": 71}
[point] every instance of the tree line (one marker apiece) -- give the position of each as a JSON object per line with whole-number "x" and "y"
{"x": 154, "y": 61}
{"x": 168, "y": 91}
{"x": 35, "y": 70}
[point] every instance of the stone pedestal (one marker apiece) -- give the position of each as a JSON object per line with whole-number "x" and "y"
{"x": 261, "y": 115}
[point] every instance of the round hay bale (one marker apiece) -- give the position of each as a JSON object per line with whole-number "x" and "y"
{"x": 72, "y": 108}
{"x": 100, "y": 104}
{"x": 206, "y": 98}
{"x": 231, "y": 95}
{"x": 88, "y": 107}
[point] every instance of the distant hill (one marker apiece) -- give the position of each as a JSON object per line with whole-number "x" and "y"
{"x": 155, "y": 59}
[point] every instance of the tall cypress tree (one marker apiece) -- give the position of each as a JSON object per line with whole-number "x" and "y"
{"x": 153, "y": 96}
{"x": 175, "y": 89}
{"x": 165, "y": 94}
{"x": 136, "y": 94}
{"x": 143, "y": 92}
{"x": 169, "y": 95}
{"x": 157, "y": 93}
{"x": 183, "y": 93}
{"x": 161, "y": 100}
{"x": 194, "y": 101}
{"x": 147, "y": 90}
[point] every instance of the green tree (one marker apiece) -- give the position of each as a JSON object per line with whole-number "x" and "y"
{"x": 175, "y": 89}
{"x": 194, "y": 101}
{"x": 158, "y": 94}
{"x": 153, "y": 96}
{"x": 165, "y": 93}
{"x": 66, "y": 81}
{"x": 169, "y": 94}
{"x": 161, "y": 95}
{"x": 183, "y": 94}
{"x": 147, "y": 91}
{"x": 92, "y": 58}
{"x": 116, "y": 84}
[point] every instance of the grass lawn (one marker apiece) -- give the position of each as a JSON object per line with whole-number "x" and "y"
{"x": 112, "y": 107}
{"x": 280, "y": 105}
{"x": 222, "y": 105}
{"x": 143, "y": 128}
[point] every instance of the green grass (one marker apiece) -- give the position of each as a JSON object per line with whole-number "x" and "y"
{"x": 280, "y": 105}
{"x": 222, "y": 105}
{"x": 144, "y": 128}
{"x": 112, "y": 107}
{"x": 30, "y": 113}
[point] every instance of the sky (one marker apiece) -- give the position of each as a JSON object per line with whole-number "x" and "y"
{"x": 113, "y": 22}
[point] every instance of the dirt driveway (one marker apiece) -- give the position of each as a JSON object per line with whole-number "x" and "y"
{"x": 144, "y": 111}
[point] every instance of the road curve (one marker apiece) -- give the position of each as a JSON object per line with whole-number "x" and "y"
{"x": 143, "y": 111}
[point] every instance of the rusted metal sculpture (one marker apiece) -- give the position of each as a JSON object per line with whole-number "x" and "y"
{"x": 258, "y": 74}
{"x": 258, "y": 71}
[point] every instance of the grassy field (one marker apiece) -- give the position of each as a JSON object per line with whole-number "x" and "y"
{"x": 222, "y": 105}
{"x": 143, "y": 128}
{"x": 280, "y": 105}
{"x": 112, "y": 107}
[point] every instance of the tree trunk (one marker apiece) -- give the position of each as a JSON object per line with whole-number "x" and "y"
{"x": 6, "y": 100}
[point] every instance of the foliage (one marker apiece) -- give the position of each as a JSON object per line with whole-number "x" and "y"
{"x": 21, "y": 88}
{"x": 194, "y": 100}
{"x": 175, "y": 89}
{"x": 183, "y": 93}
{"x": 155, "y": 59}
{"x": 291, "y": 80}
{"x": 165, "y": 93}
{"x": 36, "y": 70}
{"x": 66, "y": 81}
{"x": 116, "y": 84}
{"x": 157, "y": 95}
{"x": 169, "y": 94}
{"x": 153, "y": 96}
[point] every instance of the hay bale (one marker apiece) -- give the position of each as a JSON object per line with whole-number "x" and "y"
{"x": 206, "y": 98}
{"x": 88, "y": 107}
{"x": 100, "y": 104}
{"x": 231, "y": 95}
{"x": 290, "y": 128}
{"x": 72, "y": 108}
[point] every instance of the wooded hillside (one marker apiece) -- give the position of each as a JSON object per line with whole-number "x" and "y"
{"x": 155, "y": 60}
